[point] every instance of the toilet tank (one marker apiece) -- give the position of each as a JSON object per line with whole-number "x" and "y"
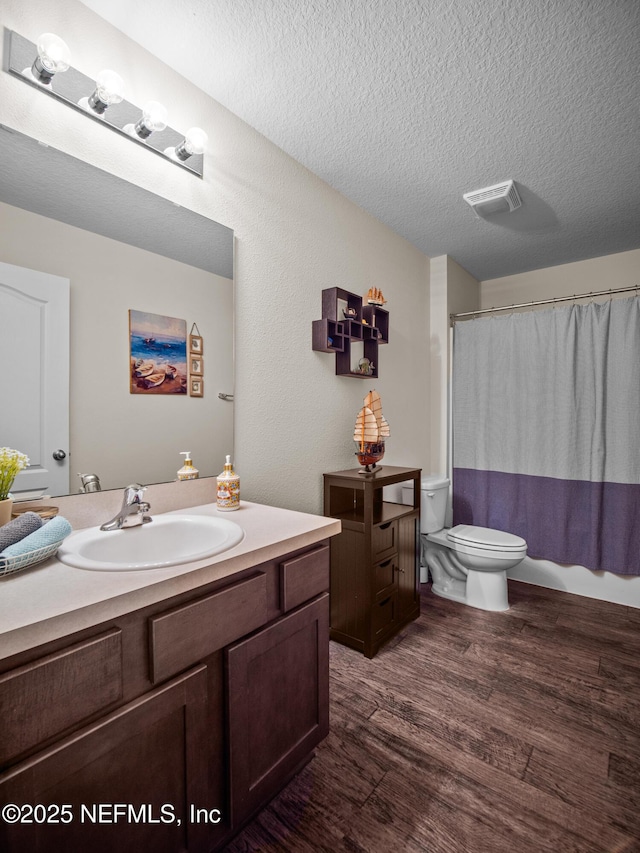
{"x": 433, "y": 503}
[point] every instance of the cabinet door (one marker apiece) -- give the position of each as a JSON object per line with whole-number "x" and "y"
{"x": 72, "y": 684}
{"x": 278, "y": 704}
{"x": 126, "y": 782}
{"x": 409, "y": 571}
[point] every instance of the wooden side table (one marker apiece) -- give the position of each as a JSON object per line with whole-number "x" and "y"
{"x": 375, "y": 573}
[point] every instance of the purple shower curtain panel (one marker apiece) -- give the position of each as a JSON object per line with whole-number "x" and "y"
{"x": 546, "y": 409}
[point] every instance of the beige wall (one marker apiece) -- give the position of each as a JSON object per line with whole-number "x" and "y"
{"x": 453, "y": 290}
{"x": 607, "y": 272}
{"x": 294, "y": 237}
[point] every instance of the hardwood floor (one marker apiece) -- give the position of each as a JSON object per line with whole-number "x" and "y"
{"x": 476, "y": 732}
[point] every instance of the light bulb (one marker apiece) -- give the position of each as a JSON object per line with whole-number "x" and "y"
{"x": 154, "y": 117}
{"x": 109, "y": 90}
{"x": 53, "y": 57}
{"x": 194, "y": 142}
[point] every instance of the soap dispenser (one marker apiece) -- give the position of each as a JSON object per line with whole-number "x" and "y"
{"x": 188, "y": 470}
{"x": 228, "y": 494}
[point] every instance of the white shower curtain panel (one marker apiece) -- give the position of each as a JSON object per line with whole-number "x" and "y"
{"x": 546, "y": 417}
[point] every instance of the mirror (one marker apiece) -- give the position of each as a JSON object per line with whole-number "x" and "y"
{"x": 122, "y": 248}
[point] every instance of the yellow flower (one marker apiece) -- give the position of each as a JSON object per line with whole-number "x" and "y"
{"x": 11, "y": 463}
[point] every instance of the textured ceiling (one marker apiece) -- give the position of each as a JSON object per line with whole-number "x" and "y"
{"x": 403, "y": 106}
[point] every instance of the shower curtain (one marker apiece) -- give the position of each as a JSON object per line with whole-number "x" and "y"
{"x": 546, "y": 418}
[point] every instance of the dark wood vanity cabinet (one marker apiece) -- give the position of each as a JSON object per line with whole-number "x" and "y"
{"x": 374, "y": 561}
{"x": 171, "y": 727}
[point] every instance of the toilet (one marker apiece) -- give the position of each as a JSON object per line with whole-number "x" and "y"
{"x": 468, "y": 564}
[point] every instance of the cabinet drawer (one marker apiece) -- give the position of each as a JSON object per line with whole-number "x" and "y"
{"x": 384, "y": 540}
{"x": 185, "y": 635}
{"x": 385, "y": 575}
{"x": 304, "y": 577}
{"x": 384, "y": 615}
{"x": 45, "y": 697}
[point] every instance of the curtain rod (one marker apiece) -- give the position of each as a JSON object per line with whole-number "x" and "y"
{"x": 454, "y": 317}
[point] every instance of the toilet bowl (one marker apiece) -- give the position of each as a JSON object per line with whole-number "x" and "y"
{"x": 467, "y": 564}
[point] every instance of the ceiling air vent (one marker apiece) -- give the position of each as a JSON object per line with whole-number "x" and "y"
{"x": 500, "y": 198}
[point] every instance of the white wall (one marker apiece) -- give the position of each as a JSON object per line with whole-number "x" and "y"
{"x": 294, "y": 237}
{"x": 608, "y": 272}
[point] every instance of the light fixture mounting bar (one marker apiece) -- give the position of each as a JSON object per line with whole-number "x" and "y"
{"x": 71, "y": 86}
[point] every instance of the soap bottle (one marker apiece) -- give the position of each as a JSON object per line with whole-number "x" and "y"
{"x": 188, "y": 470}
{"x": 228, "y": 493}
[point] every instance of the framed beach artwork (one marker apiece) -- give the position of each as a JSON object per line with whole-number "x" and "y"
{"x": 158, "y": 353}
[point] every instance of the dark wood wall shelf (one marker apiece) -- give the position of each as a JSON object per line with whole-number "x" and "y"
{"x": 334, "y": 333}
{"x": 375, "y": 574}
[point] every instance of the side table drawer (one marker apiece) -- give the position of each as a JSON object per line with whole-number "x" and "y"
{"x": 385, "y": 575}
{"x": 384, "y": 615}
{"x": 384, "y": 540}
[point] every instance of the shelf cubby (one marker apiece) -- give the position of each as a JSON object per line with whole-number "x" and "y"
{"x": 377, "y": 318}
{"x": 332, "y": 296}
{"x": 343, "y": 360}
{"x": 328, "y": 335}
{"x": 353, "y": 329}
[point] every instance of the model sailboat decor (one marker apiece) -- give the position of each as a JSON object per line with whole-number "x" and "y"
{"x": 370, "y": 432}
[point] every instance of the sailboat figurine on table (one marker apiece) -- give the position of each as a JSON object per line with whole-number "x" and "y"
{"x": 370, "y": 432}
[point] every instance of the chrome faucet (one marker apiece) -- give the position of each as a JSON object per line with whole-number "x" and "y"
{"x": 90, "y": 483}
{"x": 132, "y": 512}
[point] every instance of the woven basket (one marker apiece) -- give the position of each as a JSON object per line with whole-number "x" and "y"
{"x": 8, "y": 565}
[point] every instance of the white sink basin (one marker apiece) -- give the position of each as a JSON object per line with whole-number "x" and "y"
{"x": 166, "y": 541}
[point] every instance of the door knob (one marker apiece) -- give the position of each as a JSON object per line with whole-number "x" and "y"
{"x": 59, "y": 455}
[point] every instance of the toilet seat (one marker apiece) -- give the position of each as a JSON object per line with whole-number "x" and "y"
{"x": 485, "y": 538}
{"x": 469, "y": 564}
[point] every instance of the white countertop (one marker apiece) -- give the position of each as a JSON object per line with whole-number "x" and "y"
{"x": 51, "y": 600}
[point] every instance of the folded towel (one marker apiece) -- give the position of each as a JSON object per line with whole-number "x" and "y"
{"x": 16, "y": 529}
{"x": 53, "y": 531}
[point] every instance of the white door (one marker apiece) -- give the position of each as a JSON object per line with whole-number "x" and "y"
{"x": 34, "y": 366}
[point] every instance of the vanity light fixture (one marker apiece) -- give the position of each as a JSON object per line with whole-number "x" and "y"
{"x": 53, "y": 58}
{"x": 101, "y": 99}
